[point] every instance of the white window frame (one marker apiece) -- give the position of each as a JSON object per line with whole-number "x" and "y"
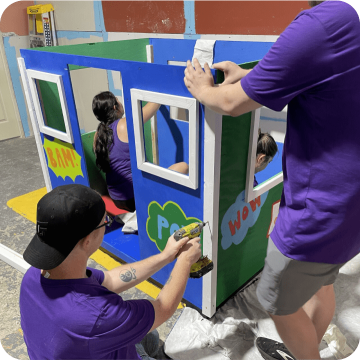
{"x": 34, "y": 75}
{"x": 137, "y": 95}
{"x": 250, "y": 192}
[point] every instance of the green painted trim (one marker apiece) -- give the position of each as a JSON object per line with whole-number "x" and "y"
{"x": 133, "y": 50}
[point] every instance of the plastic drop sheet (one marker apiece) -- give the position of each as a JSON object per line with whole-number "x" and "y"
{"x": 232, "y": 331}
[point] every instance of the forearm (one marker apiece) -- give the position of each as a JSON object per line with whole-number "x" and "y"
{"x": 172, "y": 292}
{"x": 127, "y": 276}
{"x": 227, "y": 99}
{"x": 149, "y": 111}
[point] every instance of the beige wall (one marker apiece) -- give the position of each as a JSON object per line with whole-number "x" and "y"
{"x": 80, "y": 40}
{"x": 73, "y": 15}
{"x": 86, "y": 83}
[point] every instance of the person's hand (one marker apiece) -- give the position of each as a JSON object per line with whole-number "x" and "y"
{"x": 173, "y": 247}
{"x": 191, "y": 251}
{"x": 196, "y": 79}
{"x": 233, "y": 72}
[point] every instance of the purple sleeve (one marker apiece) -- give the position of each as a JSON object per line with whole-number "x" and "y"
{"x": 121, "y": 324}
{"x": 299, "y": 60}
{"x": 98, "y": 275}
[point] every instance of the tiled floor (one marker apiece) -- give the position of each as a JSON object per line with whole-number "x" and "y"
{"x": 21, "y": 174}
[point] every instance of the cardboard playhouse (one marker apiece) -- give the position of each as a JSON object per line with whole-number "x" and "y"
{"x": 59, "y": 84}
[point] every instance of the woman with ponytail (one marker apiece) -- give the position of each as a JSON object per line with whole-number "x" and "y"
{"x": 265, "y": 152}
{"x": 111, "y": 147}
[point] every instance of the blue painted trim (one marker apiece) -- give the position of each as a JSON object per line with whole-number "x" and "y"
{"x": 189, "y": 13}
{"x": 10, "y": 52}
{"x": 272, "y": 119}
{"x": 99, "y": 16}
{"x": 71, "y": 35}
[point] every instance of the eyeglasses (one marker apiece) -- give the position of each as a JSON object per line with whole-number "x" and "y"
{"x": 108, "y": 221}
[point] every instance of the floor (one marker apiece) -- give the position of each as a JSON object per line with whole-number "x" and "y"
{"x": 21, "y": 174}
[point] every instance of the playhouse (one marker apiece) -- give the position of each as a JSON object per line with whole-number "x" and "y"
{"x": 59, "y": 84}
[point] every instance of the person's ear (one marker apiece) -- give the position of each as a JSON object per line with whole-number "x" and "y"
{"x": 84, "y": 243}
{"x": 260, "y": 159}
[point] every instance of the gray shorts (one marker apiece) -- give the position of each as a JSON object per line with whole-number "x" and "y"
{"x": 287, "y": 284}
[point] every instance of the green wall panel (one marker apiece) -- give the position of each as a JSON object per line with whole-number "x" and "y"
{"x": 237, "y": 264}
{"x": 50, "y": 100}
{"x": 134, "y": 50}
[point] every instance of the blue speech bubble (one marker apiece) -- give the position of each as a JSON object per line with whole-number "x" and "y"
{"x": 239, "y": 218}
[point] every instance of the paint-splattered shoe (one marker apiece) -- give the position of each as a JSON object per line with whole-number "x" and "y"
{"x": 273, "y": 350}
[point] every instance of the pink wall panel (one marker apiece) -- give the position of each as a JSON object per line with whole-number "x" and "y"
{"x": 144, "y": 16}
{"x": 245, "y": 17}
{"x": 14, "y": 18}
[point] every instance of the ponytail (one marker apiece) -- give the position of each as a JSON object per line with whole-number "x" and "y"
{"x": 107, "y": 110}
{"x": 266, "y": 145}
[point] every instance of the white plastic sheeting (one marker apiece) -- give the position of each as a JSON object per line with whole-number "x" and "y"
{"x": 232, "y": 331}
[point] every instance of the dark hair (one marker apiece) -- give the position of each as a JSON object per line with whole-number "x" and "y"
{"x": 266, "y": 145}
{"x": 314, "y": 3}
{"x": 107, "y": 110}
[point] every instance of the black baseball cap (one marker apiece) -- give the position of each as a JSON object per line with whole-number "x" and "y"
{"x": 65, "y": 215}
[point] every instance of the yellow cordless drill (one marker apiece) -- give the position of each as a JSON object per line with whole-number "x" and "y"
{"x": 204, "y": 264}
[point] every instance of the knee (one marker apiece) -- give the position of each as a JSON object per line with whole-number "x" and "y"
{"x": 279, "y": 319}
{"x": 325, "y": 292}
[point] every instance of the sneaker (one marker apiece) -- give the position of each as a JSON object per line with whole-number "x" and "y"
{"x": 273, "y": 350}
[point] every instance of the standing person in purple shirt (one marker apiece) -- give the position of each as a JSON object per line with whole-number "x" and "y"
{"x": 111, "y": 147}
{"x": 70, "y": 311}
{"x": 314, "y": 67}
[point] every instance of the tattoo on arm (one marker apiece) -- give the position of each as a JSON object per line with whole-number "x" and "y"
{"x": 128, "y": 275}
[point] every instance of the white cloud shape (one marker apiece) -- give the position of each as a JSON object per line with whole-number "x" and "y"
{"x": 239, "y": 218}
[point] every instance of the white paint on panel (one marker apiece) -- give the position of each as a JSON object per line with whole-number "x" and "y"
{"x": 35, "y": 127}
{"x": 212, "y": 162}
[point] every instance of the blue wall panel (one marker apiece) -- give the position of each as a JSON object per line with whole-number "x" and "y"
{"x": 183, "y": 50}
{"x": 147, "y": 187}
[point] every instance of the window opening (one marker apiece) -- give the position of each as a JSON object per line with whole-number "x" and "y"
{"x": 186, "y": 149}
{"x": 51, "y": 110}
{"x": 267, "y": 172}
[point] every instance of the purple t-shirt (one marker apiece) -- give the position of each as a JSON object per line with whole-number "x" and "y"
{"x": 119, "y": 179}
{"x": 80, "y": 319}
{"x": 314, "y": 67}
